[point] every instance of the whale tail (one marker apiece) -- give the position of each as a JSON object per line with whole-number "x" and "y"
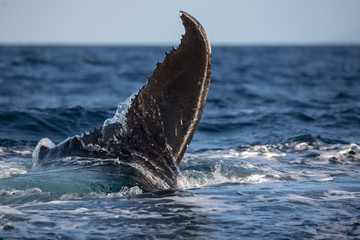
{"x": 161, "y": 119}
{"x": 173, "y": 99}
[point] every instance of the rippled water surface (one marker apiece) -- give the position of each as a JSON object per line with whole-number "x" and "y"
{"x": 276, "y": 155}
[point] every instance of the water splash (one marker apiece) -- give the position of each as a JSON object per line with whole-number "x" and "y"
{"x": 290, "y": 161}
{"x": 120, "y": 113}
{"x": 124, "y": 192}
{"x": 46, "y": 142}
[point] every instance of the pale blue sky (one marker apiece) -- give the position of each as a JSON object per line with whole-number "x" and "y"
{"x": 157, "y": 21}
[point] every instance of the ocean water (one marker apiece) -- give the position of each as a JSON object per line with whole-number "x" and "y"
{"x": 276, "y": 154}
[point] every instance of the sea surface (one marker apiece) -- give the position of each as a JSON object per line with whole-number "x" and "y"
{"x": 276, "y": 154}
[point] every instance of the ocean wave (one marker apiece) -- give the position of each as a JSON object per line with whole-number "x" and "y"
{"x": 124, "y": 192}
{"x": 57, "y": 123}
{"x": 253, "y": 164}
{"x": 19, "y": 196}
{"x": 9, "y": 169}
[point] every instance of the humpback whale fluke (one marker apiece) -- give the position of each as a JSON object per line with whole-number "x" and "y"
{"x": 160, "y": 121}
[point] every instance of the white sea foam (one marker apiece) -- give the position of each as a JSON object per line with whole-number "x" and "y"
{"x": 303, "y": 146}
{"x": 15, "y": 161}
{"x": 342, "y": 154}
{"x": 8, "y": 169}
{"x": 197, "y": 179}
{"x": 334, "y": 195}
{"x": 264, "y": 163}
{"x": 125, "y": 191}
{"x": 231, "y": 166}
{"x": 22, "y": 152}
{"x": 252, "y": 152}
{"x": 9, "y": 210}
{"x": 19, "y": 194}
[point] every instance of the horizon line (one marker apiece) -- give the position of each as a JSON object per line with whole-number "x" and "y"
{"x": 163, "y": 44}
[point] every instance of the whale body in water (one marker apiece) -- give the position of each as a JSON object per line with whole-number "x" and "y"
{"x": 159, "y": 123}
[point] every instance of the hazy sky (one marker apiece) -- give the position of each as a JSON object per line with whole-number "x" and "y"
{"x": 157, "y": 21}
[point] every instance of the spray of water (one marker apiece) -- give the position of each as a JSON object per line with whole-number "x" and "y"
{"x": 120, "y": 113}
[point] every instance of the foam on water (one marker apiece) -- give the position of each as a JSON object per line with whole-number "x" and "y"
{"x": 196, "y": 179}
{"x": 124, "y": 192}
{"x": 16, "y": 194}
{"x": 8, "y": 169}
{"x": 341, "y": 154}
{"x": 10, "y": 164}
{"x": 267, "y": 163}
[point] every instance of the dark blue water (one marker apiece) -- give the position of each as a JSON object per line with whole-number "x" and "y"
{"x": 276, "y": 155}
